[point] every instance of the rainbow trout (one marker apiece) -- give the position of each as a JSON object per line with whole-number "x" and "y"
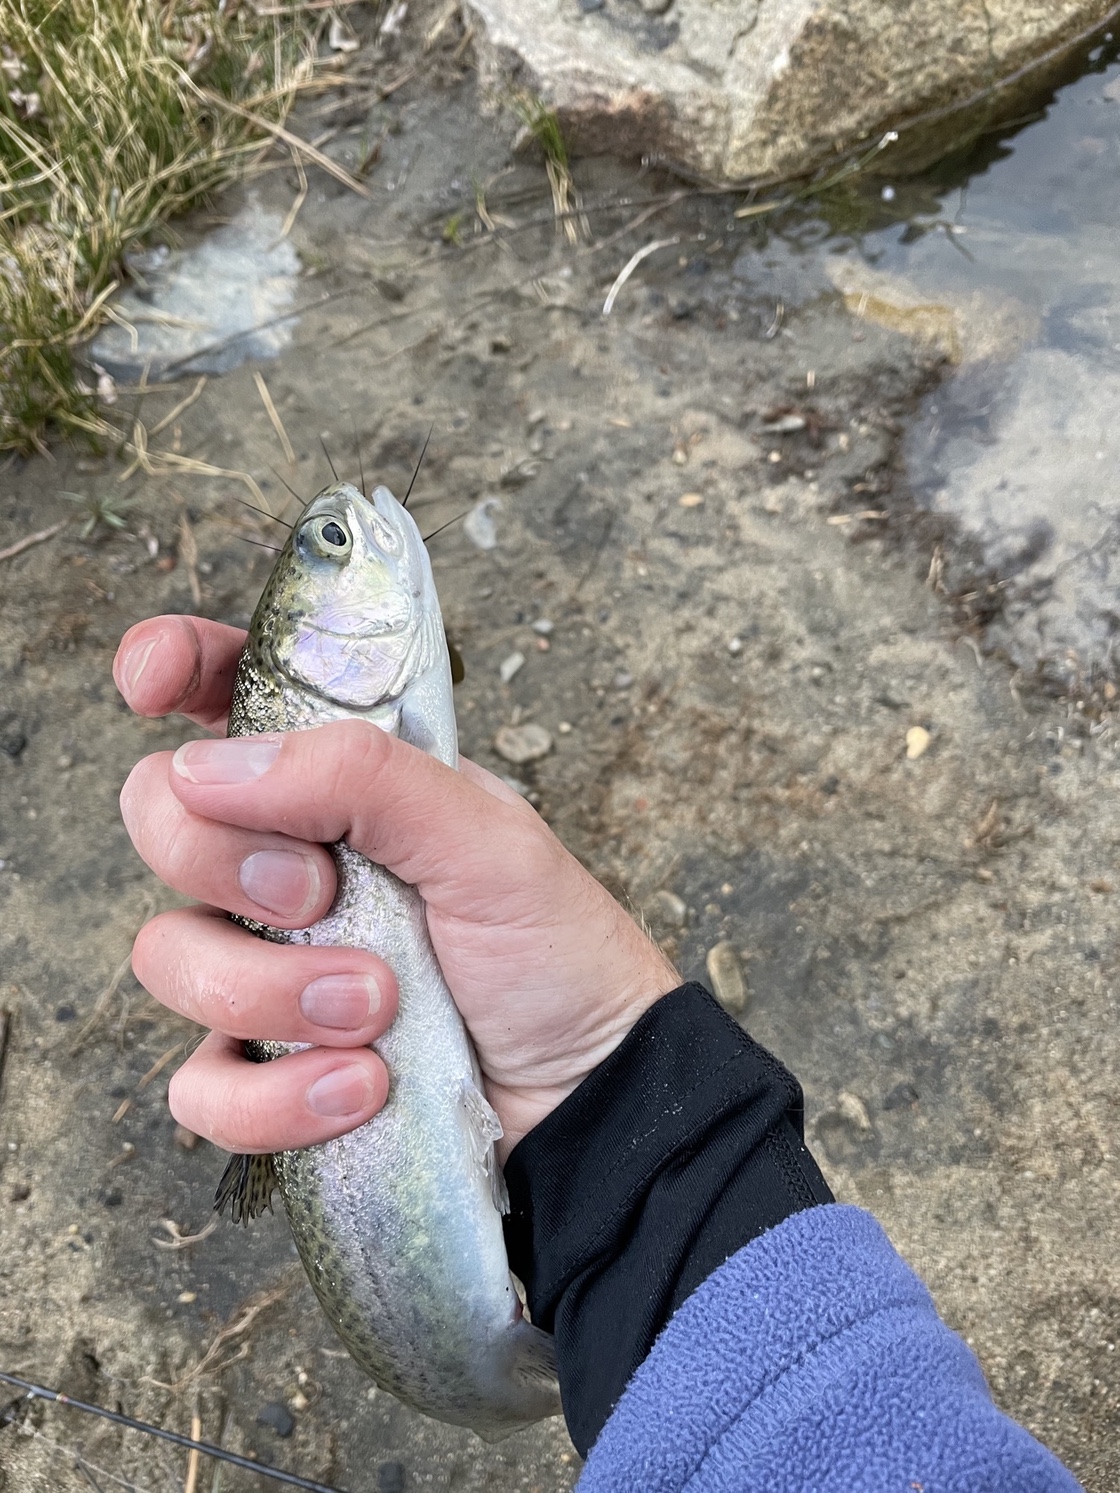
{"x": 399, "y": 1223}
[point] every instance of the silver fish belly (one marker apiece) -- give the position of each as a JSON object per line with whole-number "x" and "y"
{"x": 398, "y": 1223}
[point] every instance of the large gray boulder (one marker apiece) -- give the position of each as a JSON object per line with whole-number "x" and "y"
{"x": 748, "y": 90}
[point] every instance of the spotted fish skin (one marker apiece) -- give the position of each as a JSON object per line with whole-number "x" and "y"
{"x": 398, "y": 1223}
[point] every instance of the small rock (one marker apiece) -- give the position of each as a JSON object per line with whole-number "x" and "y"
{"x": 729, "y": 984}
{"x": 13, "y": 738}
{"x": 185, "y": 1298}
{"x": 184, "y": 1138}
{"x": 478, "y": 526}
{"x": 735, "y": 645}
{"x": 278, "y": 1418}
{"x": 902, "y": 1096}
{"x": 299, "y": 1401}
{"x": 665, "y": 907}
{"x": 543, "y": 626}
{"x": 527, "y": 743}
{"x": 509, "y": 666}
{"x": 853, "y": 1109}
{"x": 518, "y": 786}
{"x": 1101, "y": 886}
{"x": 917, "y": 742}
{"x": 564, "y": 728}
{"x": 785, "y": 425}
{"x": 500, "y": 344}
{"x": 390, "y": 1477}
{"x": 623, "y": 679}
{"x": 65, "y": 1013}
{"x": 655, "y": 7}
{"x": 691, "y": 499}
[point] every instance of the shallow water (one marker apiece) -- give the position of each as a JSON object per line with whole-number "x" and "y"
{"x": 207, "y": 308}
{"x": 1011, "y": 257}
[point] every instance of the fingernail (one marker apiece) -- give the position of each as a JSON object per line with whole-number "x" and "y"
{"x": 343, "y": 1091}
{"x": 133, "y": 665}
{"x": 345, "y": 1002}
{"x": 239, "y": 759}
{"x": 282, "y": 881}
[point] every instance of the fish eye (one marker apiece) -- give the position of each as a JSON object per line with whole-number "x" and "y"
{"x": 327, "y": 538}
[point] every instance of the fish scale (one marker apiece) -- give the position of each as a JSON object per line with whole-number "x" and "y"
{"x": 398, "y": 1223}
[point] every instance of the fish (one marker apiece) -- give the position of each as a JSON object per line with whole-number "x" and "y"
{"x": 399, "y": 1223}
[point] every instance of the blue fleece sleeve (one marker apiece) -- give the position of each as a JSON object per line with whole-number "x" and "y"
{"x": 813, "y": 1361}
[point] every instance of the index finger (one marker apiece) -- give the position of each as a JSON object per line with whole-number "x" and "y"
{"x": 180, "y": 664}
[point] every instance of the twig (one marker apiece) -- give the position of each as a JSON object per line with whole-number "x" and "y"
{"x": 158, "y": 1066}
{"x": 208, "y": 1363}
{"x": 29, "y": 539}
{"x": 101, "y": 1004}
{"x": 5, "y": 1038}
{"x": 172, "y": 415}
{"x": 274, "y": 415}
{"x": 193, "y": 1459}
{"x": 40, "y": 1391}
{"x": 178, "y": 1239}
{"x": 631, "y": 265}
{"x": 188, "y": 550}
{"x": 280, "y": 133}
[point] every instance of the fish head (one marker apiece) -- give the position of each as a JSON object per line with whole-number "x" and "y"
{"x": 350, "y": 613}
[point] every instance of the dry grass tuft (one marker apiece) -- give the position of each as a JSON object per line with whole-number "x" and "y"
{"x": 106, "y": 130}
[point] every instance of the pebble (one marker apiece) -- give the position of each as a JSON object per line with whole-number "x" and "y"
{"x": 543, "y": 626}
{"x": 564, "y": 727}
{"x": 853, "y": 1109}
{"x": 917, "y": 741}
{"x": 691, "y": 499}
{"x": 735, "y": 645}
{"x": 785, "y": 425}
{"x": 185, "y": 1298}
{"x": 902, "y": 1096}
{"x": 623, "y": 679}
{"x": 390, "y": 1477}
{"x": 527, "y": 743}
{"x": 278, "y": 1418}
{"x": 665, "y": 907}
{"x": 509, "y": 666}
{"x": 729, "y": 983}
{"x": 13, "y": 737}
{"x": 478, "y": 526}
{"x": 184, "y": 1138}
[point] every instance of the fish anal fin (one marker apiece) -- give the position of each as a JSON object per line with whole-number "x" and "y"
{"x": 484, "y": 1128}
{"x": 246, "y": 1188}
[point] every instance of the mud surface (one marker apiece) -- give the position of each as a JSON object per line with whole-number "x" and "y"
{"x": 736, "y": 659}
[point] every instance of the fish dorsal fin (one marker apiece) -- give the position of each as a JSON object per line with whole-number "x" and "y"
{"x": 483, "y": 1129}
{"x": 246, "y": 1188}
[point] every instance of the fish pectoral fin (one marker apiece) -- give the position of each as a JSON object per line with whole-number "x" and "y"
{"x": 246, "y": 1188}
{"x": 483, "y": 1129}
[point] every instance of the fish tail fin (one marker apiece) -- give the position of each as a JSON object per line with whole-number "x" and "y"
{"x": 530, "y": 1391}
{"x": 246, "y": 1188}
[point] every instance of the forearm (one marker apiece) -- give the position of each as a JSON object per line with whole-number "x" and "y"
{"x": 716, "y": 1327}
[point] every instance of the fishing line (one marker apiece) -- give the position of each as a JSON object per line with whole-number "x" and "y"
{"x": 276, "y": 1474}
{"x": 288, "y": 485}
{"x": 358, "y": 453}
{"x": 416, "y": 473}
{"x": 263, "y": 512}
{"x": 447, "y": 525}
{"x": 327, "y": 454}
{"x": 260, "y": 544}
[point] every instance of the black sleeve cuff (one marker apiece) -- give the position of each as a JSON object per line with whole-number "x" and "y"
{"x": 684, "y": 1145}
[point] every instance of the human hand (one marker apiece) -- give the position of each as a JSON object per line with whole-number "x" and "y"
{"x": 548, "y": 972}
